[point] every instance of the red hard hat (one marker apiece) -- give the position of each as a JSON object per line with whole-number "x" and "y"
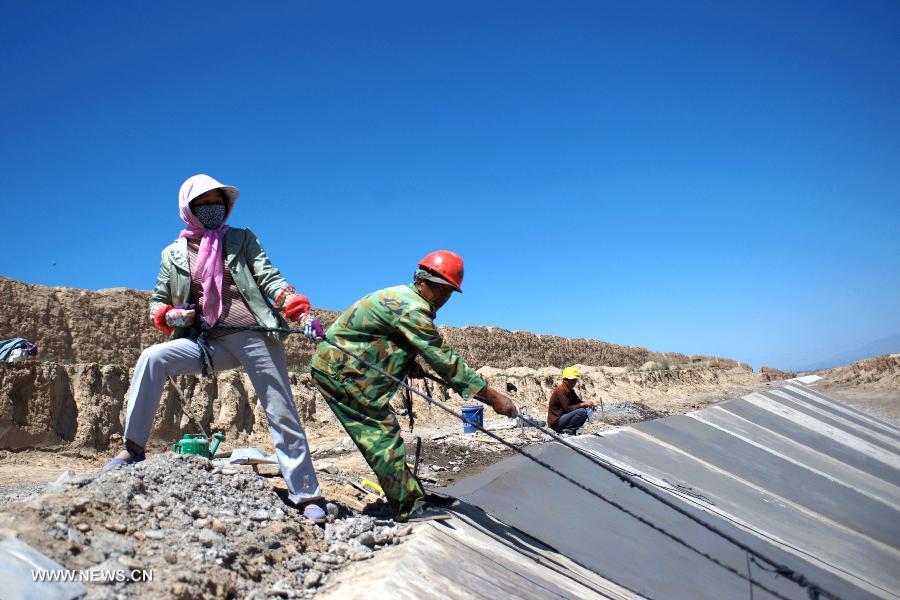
{"x": 446, "y": 264}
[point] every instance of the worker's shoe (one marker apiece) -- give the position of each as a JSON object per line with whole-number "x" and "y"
{"x": 428, "y": 512}
{"x": 440, "y": 500}
{"x": 314, "y": 513}
{"x": 133, "y": 457}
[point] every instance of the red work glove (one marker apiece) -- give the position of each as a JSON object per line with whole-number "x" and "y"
{"x": 296, "y": 306}
{"x": 158, "y": 319}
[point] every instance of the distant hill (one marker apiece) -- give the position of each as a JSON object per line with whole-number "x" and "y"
{"x": 886, "y": 345}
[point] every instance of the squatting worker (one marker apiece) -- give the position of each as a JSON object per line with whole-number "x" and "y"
{"x": 223, "y": 274}
{"x": 389, "y": 328}
{"x": 566, "y": 412}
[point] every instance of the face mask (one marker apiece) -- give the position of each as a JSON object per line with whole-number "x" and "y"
{"x": 210, "y": 215}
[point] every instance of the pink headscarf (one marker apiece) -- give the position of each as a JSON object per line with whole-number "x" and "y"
{"x": 210, "y": 265}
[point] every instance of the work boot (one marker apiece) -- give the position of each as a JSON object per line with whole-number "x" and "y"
{"x": 125, "y": 457}
{"x": 314, "y": 512}
{"x": 440, "y": 500}
{"x": 428, "y": 512}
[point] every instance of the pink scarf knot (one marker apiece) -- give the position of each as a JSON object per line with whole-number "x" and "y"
{"x": 210, "y": 268}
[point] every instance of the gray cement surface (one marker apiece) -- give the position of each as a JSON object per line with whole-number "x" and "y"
{"x": 817, "y": 503}
{"x": 812, "y": 439}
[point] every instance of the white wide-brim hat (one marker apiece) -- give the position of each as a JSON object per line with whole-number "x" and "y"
{"x": 200, "y": 184}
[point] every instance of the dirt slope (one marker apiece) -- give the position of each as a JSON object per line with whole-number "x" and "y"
{"x": 74, "y": 394}
{"x": 110, "y": 326}
{"x": 873, "y": 385}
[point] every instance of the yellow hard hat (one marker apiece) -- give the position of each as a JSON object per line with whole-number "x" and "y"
{"x": 571, "y": 373}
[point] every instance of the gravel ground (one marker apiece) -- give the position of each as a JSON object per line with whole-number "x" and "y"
{"x": 202, "y": 533}
{"x": 18, "y": 492}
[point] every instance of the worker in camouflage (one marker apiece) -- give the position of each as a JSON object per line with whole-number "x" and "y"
{"x": 388, "y": 329}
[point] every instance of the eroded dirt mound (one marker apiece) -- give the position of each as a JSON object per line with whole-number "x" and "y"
{"x": 773, "y": 374}
{"x": 882, "y": 371}
{"x": 872, "y": 385}
{"x": 202, "y": 533}
{"x": 84, "y": 326}
{"x": 664, "y": 391}
{"x": 110, "y": 326}
{"x": 84, "y": 405}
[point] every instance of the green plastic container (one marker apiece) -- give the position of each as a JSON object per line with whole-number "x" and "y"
{"x": 198, "y": 445}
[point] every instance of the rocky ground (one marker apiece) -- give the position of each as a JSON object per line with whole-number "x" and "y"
{"x": 208, "y": 534}
{"x": 202, "y": 533}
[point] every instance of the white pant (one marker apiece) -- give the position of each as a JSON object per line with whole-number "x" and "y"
{"x": 265, "y": 363}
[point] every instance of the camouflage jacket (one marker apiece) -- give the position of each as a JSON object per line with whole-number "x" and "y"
{"x": 388, "y": 328}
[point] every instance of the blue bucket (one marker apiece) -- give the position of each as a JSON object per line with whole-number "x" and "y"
{"x": 472, "y": 413}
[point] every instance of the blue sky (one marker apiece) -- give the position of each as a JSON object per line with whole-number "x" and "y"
{"x": 706, "y": 177}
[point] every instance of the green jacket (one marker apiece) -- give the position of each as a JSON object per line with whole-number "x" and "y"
{"x": 251, "y": 269}
{"x": 388, "y": 328}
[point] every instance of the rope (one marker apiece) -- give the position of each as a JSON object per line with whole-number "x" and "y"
{"x": 813, "y": 590}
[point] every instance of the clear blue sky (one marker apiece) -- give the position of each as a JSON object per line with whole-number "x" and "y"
{"x": 705, "y": 177}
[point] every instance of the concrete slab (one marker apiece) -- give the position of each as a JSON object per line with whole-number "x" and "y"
{"x": 816, "y": 437}
{"x": 859, "y": 431}
{"x": 470, "y": 556}
{"x": 881, "y": 422}
{"x": 831, "y": 499}
{"x": 756, "y": 512}
{"x": 802, "y": 483}
{"x": 789, "y": 483}
{"x": 600, "y": 537}
{"x": 805, "y": 456}
{"x": 807, "y": 379}
{"x": 809, "y": 397}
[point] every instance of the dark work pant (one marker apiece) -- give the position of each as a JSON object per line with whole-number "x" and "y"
{"x": 572, "y": 420}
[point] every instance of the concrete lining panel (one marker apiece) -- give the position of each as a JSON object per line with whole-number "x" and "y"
{"x": 840, "y": 422}
{"x": 855, "y": 557}
{"x": 852, "y": 409}
{"x": 803, "y": 455}
{"x": 817, "y": 440}
{"x": 833, "y": 500}
{"x": 836, "y": 433}
{"x": 840, "y": 410}
{"x": 604, "y": 539}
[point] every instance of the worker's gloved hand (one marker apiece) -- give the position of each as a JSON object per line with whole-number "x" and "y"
{"x": 296, "y": 306}
{"x": 180, "y": 317}
{"x": 312, "y": 327}
{"x": 158, "y": 318}
{"x": 501, "y": 404}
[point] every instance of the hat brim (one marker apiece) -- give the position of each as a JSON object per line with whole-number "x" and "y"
{"x": 231, "y": 191}
{"x": 429, "y": 275}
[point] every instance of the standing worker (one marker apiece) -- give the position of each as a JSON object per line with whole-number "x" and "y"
{"x": 388, "y": 329}
{"x": 566, "y": 412}
{"x": 223, "y": 274}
